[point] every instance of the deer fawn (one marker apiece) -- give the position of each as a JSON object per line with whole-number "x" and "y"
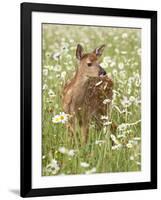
{"x": 84, "y": 94}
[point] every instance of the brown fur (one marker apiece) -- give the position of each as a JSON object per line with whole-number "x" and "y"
{"x": 83, "y": 96}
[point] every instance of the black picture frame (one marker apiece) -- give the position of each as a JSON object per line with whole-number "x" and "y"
{"x": 26, "y": 100}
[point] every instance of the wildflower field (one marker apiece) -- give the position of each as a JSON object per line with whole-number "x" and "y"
{"x": 117, "y": 147}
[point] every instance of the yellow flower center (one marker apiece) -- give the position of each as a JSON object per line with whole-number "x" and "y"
{"x": 61, "y": 117}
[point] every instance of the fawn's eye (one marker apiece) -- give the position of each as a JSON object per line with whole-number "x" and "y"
{"x": 89, "y": 64}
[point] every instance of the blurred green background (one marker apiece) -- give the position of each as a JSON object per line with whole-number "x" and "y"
{"x": 116, "y": 148}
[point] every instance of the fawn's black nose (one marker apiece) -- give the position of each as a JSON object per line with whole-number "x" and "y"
{"x": 102, "y": 72}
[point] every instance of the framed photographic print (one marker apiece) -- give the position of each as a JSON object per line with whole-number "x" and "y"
{"x": 88, "y": 99}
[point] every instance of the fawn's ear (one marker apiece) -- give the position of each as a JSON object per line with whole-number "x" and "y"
{"x": 79, "y": 52}
{"x": 99, "y": 51}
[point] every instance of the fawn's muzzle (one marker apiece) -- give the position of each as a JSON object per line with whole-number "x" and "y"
{"x": 102, "y": 72}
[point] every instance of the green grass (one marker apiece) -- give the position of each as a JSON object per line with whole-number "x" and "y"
{"x": 116, "y": 149}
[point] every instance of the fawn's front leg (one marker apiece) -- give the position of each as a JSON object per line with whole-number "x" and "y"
{"x": 84, "y": 133}
{"x": 72, "y": 125}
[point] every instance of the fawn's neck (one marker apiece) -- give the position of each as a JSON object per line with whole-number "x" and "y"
{"x": 80, "y": 80}
{"x": 79, "y": 87}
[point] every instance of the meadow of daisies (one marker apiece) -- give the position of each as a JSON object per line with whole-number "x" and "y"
{"x": 117, "y": 147}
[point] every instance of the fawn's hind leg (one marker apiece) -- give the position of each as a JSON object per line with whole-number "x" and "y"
{"x": 84, "y": 129}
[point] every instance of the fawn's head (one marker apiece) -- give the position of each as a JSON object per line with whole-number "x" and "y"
{"x": 88, "y": 63}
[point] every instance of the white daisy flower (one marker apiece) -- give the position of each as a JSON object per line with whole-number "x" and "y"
{"x": 107, "y": 59}
{"x": 49, "y": 67}
{"x": 84, "y": 164}
{"x": 57, "y": 68}
{"x": 106, "y": 101}
{"x": 45, "y": 72}
{"x": 62, "y": 150}
{"x": 114, "y": 72}
{"x": 129, "y": 145}
{"x": 114, "y": 139}
{"x": 124, "y": 35}
{"x": 123, "y": 52}
{"x": 63, "y": 75}
{"x": 123, "y": 74}
{"x": 103, "y": 117}
{"x": 56, "y": 56}
{"x": 61, "y": 118}
{"x": 117, "y": 51}
{"x": 53, "y": 167}
{"x": 107, "y": 123}
{"x": 132, "y": 98}
{"x": 112, "y": 64}
{"x": 45, "y": 86}
{"x": 93, "y": 170}
{"x": 138, "y": 163}
{"x": 125, "y": 102}
{"x": 51, "y": 93}
{"x": 131, "y": 157}
{"x": 122, "y": 127}
{"x": 139, "y": 52}
{"x": 100, "y": 142}
{"x": 137, "y": 138}
{"x": 116, "y": 147}
{"x": 121, "y": 66}
{"x": 71, "y": 152}
{"x": 56, "y": 119}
